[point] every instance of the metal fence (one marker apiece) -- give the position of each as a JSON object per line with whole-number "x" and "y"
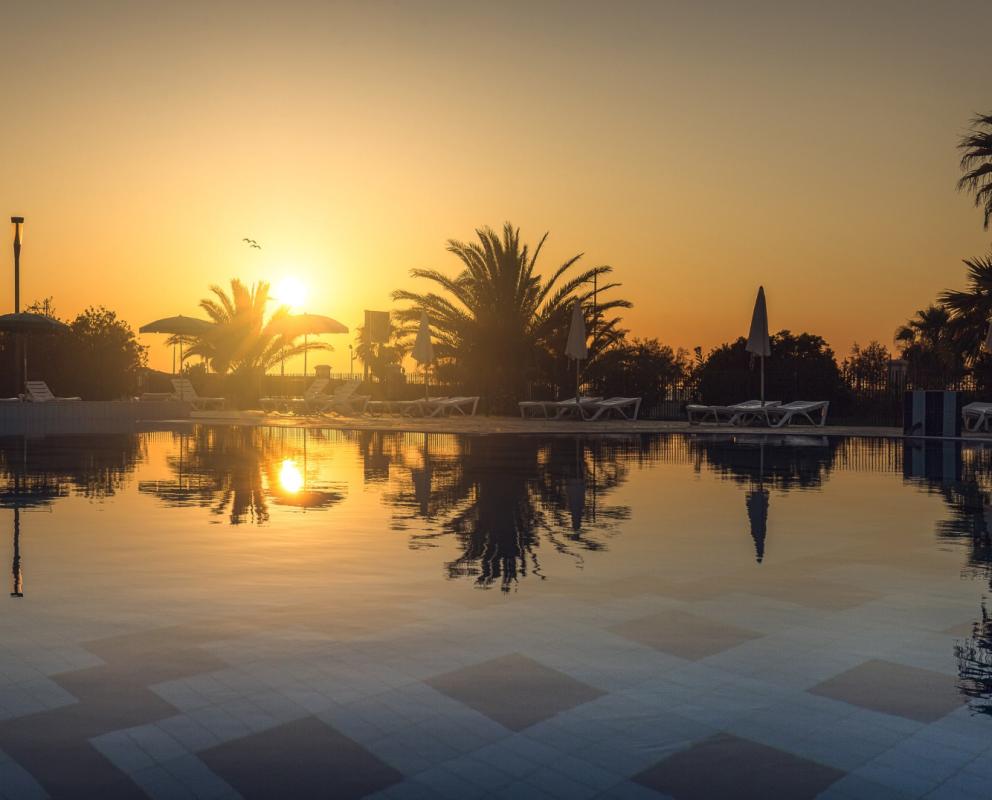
{"x": 860, "y": 402}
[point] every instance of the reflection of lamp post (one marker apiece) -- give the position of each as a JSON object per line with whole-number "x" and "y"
{"x": 17, "y": 222}
{"x": 18, "y": 580}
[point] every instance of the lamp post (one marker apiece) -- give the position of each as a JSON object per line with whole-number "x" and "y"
{"x": 17, "y": 223}
{"x": 19, "y": 354}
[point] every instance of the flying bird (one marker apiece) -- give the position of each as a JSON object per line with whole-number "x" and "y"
{"x": 252, "y": 243}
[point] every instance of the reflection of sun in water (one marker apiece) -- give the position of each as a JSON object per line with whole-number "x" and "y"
{"x": 291, "y": 292}
{"x": 290, "y": 477}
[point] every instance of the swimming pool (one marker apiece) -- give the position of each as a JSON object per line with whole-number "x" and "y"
{"x": 222, "y": 612}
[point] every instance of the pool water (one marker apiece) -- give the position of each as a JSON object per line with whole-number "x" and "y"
{"x": 219, "y": 612}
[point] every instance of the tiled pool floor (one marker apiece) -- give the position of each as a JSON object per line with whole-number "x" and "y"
{"x": 256, "y": 613}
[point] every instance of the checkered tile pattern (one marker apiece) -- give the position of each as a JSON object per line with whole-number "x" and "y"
{"x": 639, "y": 677}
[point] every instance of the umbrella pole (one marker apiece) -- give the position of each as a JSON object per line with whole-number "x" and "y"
{"x": 305, "y": 356}
{"x": 427, "y": 382}
{"x": 762, "y": 380}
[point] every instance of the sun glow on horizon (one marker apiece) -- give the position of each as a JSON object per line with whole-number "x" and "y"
{"x": 291, "y": 292}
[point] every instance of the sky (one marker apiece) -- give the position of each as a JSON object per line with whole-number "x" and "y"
{"x": 700, "y": 148}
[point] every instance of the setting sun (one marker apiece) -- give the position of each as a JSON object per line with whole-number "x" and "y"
{"x": 291, "y": 292}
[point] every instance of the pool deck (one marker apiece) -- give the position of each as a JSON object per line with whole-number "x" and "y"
{"x": 481, "y": 425}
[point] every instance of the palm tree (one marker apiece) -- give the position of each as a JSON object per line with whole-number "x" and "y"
{"x": 378, "y": 356}
{"x": 242, "y": 340}
{"x": 976, "y": 163}
{"x": 971, "y": 309}
{"x": 929, "y": 345}
{"x": 928, "y": 328}
{"x": 497, "y": 322}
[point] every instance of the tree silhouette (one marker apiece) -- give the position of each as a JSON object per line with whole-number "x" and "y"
{"x": 976, "y": 163}
{"x": 498, "y": 323}
{"x": 243, "y": 339}
{"x": 503, "y": 498}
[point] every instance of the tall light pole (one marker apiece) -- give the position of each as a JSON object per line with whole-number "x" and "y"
{"x": 17, "y": 222}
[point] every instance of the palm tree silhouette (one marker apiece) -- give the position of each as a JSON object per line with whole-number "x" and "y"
{"x": 242, "y": 339}
{"x": 498, "y": 322}
{"x": 929, "y": 343}
{"x": 501, "y": 498}
{"x": 976, "y": 163}
{"x": 971, "y": 308}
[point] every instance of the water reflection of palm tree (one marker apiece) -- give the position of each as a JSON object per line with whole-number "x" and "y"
{"x": 962, "y": 477}
{"x": 501, "y": 497}
{"x": 974, "y": 656}
{"x": 237, "y": 472}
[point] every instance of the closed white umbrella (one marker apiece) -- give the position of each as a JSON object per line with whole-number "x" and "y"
{"x": 988, "y": 339}
{"x": 575, "y": 347}
{"x": 423, "y": 349}
{"x": 758, "y": 342}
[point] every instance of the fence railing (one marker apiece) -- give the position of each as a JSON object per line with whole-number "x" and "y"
{"x": 876, "y": 403}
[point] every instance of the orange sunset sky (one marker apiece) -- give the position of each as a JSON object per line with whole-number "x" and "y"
{"x": 699, "y": 148}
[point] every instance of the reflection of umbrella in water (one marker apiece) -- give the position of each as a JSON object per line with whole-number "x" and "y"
{"x": 291, "y": 326}
{"x": 183, "y": 328}
{"x": 575, "y": 489}
{"x": 422, "y": 479}
{"x": 756, "y": 501}
{"x": 24, "y": 322}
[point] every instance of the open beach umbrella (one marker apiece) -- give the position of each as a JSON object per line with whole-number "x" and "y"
{"x": 758, "y": 342}
{"x": 575, "y": 347}
{"x": 423, "y": 349}
{"x": 306, "y": 325}
{"x": 26, "y": 323}
{"x": 180, "y": 326}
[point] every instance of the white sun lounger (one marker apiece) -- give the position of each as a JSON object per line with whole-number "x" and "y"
{"x": 466, "y": 406}
{"x": 736, "y": 414}
{"x": 563, "y": 409}
{"x": 184, "y": 391}
{"x": 284, "y": 403}
{"x": 343, "y": 400}
{"x": 976, "y": 416}
{"x": 38, "y": 392}
{"x": 623, "y": 407}
{"x": 781, "y": 415}
{"x": 552, "y": 409}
